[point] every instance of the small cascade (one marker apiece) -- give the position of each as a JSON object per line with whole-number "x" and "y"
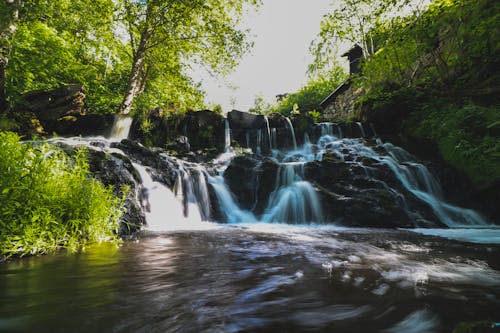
{"x": 121, "y": 127}
{"x": 292, "y": 133}
{"x": 326, "y": 129}
{"x": 307, "y": 141}
{"x": 339, "y": 130}
{"x": 162, "y": 209}
{"x": 274, "y": 138}
{"x": 373, "y": 130}
{"x": 294, "y": 200}
{"x": 191, "y": 190}
{"x": 414, "y": 176}
{"x": 419, "y": 181}
{"x": 232, "y": 212}
{"x": 361, "y": 129}
{"x": 227, "y": 136}
{"x": 268, "y": 129}
{"x": 247, "y": 138}
{"x": 258, "y": 146}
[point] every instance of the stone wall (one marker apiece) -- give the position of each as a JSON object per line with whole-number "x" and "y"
{"x": 343, "y": 108}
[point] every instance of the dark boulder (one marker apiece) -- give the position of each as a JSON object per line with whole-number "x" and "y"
{"x": 164, "y": 167}
{"x": 241, "y": 178}
{"x": 117, "y": 171}
{"x": 204, "y": 129}
{"x": 244, "y": 120}
{"x": 53, "y": 104}
{"x": 365, "y": 193}
{"x": 267, "y": 172}
{"x": 80, "y": 125}
{"x": 302, "y": 124}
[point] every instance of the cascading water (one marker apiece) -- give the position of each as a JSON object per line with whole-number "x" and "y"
{"x": 191, "y": 190}
{"x": 121, "y": 128}
{"x": 292, "y": 133}
{"x": 162, "y": 208}
{"x": 274, "y": 139}
{"x": 414, "y": 176}
{"x": 293, "y": 200}
{"x": 361, "y": 129}
{"x": 227, "y": 136}
{"x": 268, "y": 129}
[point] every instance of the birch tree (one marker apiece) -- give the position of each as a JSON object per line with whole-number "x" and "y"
{"x": 188, "y": 31}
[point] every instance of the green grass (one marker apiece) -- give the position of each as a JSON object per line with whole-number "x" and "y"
{"x": 48, "y": 201}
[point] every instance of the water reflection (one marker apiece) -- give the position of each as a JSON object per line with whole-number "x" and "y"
{"x": 252, "y": 278}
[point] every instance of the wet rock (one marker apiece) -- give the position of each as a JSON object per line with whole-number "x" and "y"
{"x": 267, "y": 172}
{"x": 244, "y": 120}
{"x": 241, "y": 178}
{"x": 301, "y": 124}
{"x": 117, "y": 171}
{"x": 204, "y": 129}
{"x": 164, "y": 168}
{"x": 53, "y": 104}
{"x": 365, "y": 193}
{"x": 80, "y": 125}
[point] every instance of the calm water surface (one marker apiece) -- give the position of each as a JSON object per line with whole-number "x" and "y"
{"x": 256, "y": 278}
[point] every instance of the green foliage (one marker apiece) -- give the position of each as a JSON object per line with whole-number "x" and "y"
{"x": 168, "y": 38}
{"x": 315, "y": 115}
{"x": 353, "y": 22}
{"x": 467, "y": 137}
{"x": 63, "y": 42}
{"x": 309, "y": 97}
{"x": 47, "y": 200}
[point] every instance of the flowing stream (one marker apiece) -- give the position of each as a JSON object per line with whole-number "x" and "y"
{"x": 284, "y": 270}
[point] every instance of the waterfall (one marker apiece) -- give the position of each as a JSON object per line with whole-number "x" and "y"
{"x": 227, "y": 136}
{"x": 258, "y": 146}
{"x": 339, "y": 130}
{"x": 121, "y": 127}
{"x": 307, "y": 141}
{"x": 361, "y": 129}
{"x": 326, "y": 129}
{"x": 192, "y": 191}
{"x": 162, "y": 209}
{"x": 414, "y": 176}
{"x": 293, "y": 200}
{"x": 268, "y": 129}
{"x": 292, "y": 133}
{"x": 418, "y": 180}
{"x": 274, "y": 138}
{"x": 232, "y": 212}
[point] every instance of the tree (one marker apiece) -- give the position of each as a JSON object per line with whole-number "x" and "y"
{"x": 9, "y": 15}
{"x": 353, "y": 22}
{"x": 194, "y": 31}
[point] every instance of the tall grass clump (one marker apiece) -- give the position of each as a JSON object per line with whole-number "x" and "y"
{"x": 48, "y": 201}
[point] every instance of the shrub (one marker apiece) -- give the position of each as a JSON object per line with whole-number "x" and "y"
{"x": 48, "y": 201}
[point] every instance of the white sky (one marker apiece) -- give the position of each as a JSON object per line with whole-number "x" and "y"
{"x": 283, "y": 31}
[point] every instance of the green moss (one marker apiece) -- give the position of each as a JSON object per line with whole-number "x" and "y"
{"x": 48, "y": 201}
{"x": 467, "y": 137}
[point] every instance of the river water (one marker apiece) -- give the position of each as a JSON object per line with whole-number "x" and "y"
{"x": 256, "y": 278}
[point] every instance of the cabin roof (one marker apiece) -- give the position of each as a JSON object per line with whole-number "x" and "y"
{"x": 340, "y": 89}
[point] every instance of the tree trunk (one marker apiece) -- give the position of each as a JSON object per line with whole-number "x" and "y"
{"x": 6, "y": 37}
{"x": 135, "y": 78}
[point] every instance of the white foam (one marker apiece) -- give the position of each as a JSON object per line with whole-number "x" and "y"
{"x": 472, "y": 235}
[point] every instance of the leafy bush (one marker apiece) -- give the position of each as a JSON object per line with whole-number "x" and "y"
{"x": 48, "y": 201}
